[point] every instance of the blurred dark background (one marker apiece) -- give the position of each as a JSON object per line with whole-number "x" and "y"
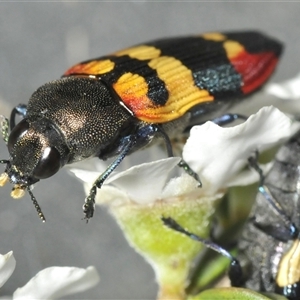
{"x": 39, "y": 41}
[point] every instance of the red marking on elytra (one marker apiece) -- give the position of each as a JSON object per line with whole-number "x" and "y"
{"x": 254, "y": 68}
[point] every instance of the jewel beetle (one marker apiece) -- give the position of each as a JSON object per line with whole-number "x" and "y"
{"x": 114, "y": 105}
{"x": 268, "y": 258}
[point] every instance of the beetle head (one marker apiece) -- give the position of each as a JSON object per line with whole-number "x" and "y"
{"x": 36, "y": 152}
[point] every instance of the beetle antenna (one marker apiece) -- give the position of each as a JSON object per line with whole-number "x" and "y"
{"x": 36, "y": 205}
{"x": 4, "y": 123}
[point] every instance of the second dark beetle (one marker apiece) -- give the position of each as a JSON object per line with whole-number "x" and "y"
{"x": 116, "y": 104}
{"x": 269, "y": 248}
{"x": 270, "y": 243}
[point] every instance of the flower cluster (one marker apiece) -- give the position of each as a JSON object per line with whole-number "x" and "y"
{"x": 140, "y": 195}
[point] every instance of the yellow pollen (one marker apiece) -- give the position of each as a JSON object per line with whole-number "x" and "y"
{"x": 18, "y": 191}
{"x": 3, "y": 179}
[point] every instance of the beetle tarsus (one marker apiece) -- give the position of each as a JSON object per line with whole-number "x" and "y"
{"x": 89, "y": 204}
{"x": 182, "y": 164}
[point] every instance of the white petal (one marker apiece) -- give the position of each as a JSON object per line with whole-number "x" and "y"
{"x": 57, "y": 282}
{"x": 87, "y": 176}
{"x": 289, "y": 90}
{"x": 247, "y": 176}
{"x": 7, "y": 266}
{"x": 109, "y": 195}
{"x": 134, "y": 159}
{"x": 218, "y": 154}
{"x": 143, "y": 183}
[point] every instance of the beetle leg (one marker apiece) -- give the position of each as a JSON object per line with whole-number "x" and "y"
{"x": 221, "y": 121}
{"x": 235, "y": 271}
{"x": 182, "y": 164}
{"x": 166, "y": 139}
{"x": 264, "y": 190}
{"x": 282, "y": 234}
{"x": 228, "y": 118}
{"x": 89, "y": 204}
{"x": 20, "y": 110}
{"x": 187, "y": 169}
{"x": 252, "y": 161}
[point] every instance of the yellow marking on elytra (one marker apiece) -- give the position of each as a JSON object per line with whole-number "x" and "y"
{"x": 183, "y": 93}
{"x": 3, "y": 179}
{"x": 233, "y": 48}
{"x": 214, "y": 36}
{"x": 131, "y": 85}
{"x": 17, "y": 192}
{"x": 98, "y": 67}
{"x": 142, "y": 52}
{"x": 289, "y": 267}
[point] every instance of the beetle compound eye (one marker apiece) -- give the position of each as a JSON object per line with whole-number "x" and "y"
{"x": 18, "y": 131}
{"x": 48, "y": 165}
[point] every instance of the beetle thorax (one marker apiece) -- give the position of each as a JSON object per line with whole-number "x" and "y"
{"x": 84, "y": 111}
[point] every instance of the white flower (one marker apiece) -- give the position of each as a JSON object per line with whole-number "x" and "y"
{"x": 289, "y": 90}
{"x": 50, "y": 283}
{"x": 224, "y": 151}
{"x": 218, "y": 155}
{"x": 7, "y": 266}
{"x": 142, "y": 193}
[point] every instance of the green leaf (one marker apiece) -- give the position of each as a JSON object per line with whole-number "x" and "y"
{"x": 234, "y": 294}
